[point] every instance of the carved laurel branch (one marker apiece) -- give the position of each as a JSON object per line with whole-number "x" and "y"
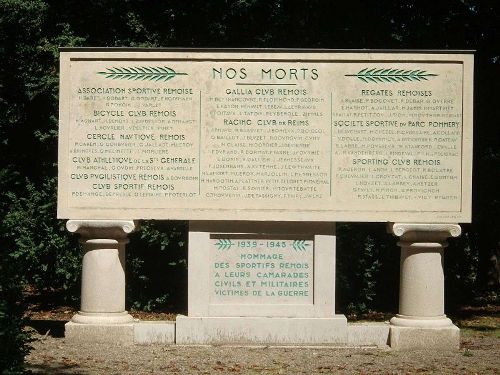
{"x": 390, "y": 75}
{"x": 141, "y": 73}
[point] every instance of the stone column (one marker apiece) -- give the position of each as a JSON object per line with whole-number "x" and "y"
{"x": 103, "y": 281}
{"x": 421, "y": 322}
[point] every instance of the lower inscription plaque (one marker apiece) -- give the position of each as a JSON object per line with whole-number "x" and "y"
{"x": 262, "y": 271}
{"x": 245, "y": 269}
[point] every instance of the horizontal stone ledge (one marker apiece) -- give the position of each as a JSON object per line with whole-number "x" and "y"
{"x": 154, "y": 332}
{"x": 240, "y": 331}
{"x": 263, "y": 227}
{"x": 261, "y": 330}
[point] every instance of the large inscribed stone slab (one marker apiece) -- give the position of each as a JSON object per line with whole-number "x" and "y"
{"x": 260, "y": 135}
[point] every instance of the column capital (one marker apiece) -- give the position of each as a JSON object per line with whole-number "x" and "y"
{"x": 421, "y": 229}
{"x": 102, "y": 228}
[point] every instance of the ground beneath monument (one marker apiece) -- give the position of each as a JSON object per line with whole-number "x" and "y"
{"x": 479, "y": 354}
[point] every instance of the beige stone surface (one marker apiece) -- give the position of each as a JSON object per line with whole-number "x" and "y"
{"x": 261, "y": 269}
{"x": 421, "y": 321}
{"x": 103, "y": 270}
{"x": 154, "y": 332}
{"x": 411, "y": 338}
{"x": 368, "y": 334}
{"x": 261, "y": 330}
{"x": 100, "y": 333}
{"x": 249, "y": 135}
{"x": 421, "y": 289}
{"x": 291, "y": 272}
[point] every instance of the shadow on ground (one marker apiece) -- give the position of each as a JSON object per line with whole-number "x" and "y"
{"x": 56, "y": 368}
{"x": 54, "y": 328}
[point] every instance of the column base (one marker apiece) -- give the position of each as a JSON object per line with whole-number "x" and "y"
{"x": 438, "y": 338}
{"x": 401, "y": 320}
{"x": 102, "y": 318}
{"x": 122, "y": 334}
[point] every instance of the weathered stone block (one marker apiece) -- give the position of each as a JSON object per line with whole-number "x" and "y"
{"x": 260, "y": 330}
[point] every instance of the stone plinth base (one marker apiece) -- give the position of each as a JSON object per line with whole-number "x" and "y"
{"x": 145, "y": 333}
{"x": 368, "y": 334}
{"x": 442, "y": 338}
{"x": 154, "y": 332}
{"x": 266, "y": 331}
{"x": 102, "y": 333}
{"x": 261, "y": 330}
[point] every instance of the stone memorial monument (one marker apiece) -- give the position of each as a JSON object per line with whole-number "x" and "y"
{"x": 263, "y": 151}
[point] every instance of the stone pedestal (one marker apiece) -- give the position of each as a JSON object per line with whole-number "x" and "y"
{"x": 102, "y": 316}
{"x": 301, "y": 259}
{"x": 421, "y": 322}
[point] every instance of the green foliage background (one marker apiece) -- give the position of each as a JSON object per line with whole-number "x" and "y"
{"x": 36, "y": 250}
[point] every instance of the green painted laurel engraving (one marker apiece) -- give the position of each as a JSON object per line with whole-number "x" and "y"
{"x": 142, "y": 73}
{"x": 223, "y": 244}
{"x": 391, "y": 75}
{"x": 300, "y": 245}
